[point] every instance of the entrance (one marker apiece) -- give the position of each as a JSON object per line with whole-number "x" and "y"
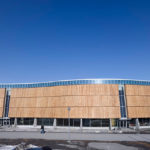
{"x": 4, "y": 121}
{"x": 122, "y": 124}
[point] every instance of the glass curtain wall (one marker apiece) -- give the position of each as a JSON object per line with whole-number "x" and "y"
{"x": 96, "y": 122}
{"x": 132, "y": 122}
{"x": 25, "y": 121}
{"x": 122, "y": 102}
{"x": 12, "y": 120}
{"x": 64, "y": 122}
{"x": 144, "y": 121}
{"x": 45, "y": 121}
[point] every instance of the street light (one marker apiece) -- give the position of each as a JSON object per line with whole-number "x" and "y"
{"x": 69, "y": 109}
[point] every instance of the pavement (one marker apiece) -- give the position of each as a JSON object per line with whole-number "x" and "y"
{"x": 71, "y": 129}
{"x": 75, "y": 136}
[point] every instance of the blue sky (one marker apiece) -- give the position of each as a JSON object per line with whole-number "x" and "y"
{"x": 74, "y": 39}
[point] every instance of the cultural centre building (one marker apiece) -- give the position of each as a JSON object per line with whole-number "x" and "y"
{"x": 78, "y": 103}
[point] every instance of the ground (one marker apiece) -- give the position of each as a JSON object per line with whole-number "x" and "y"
{"x": 77, "y": 140}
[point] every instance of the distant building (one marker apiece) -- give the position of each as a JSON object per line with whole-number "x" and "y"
{"x": 88, "y": 103}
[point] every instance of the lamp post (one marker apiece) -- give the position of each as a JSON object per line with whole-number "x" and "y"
{"x": 69, "y": 109}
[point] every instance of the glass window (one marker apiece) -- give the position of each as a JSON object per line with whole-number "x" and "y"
{"x": 105, "y": 122}
{"x": 60, "y": 122}
{"x": 65, "y": 82}
{"x": 59, "y": 83}
{"x": 20, "y": 121}
{"x": 122, "y": 101}
{"x": 132, "y": 122}
{"x": 121, "y": 112}
{"x": 86, "y": 122}
{"x": 1, "y": 122}
{"x": 72, "y": 82}
{"x": 76, "y": 122}
{"x": 110, "y": 82}
{"x": 78, "y": 81}
{"x": 144, "y": 121}
{"x": 82, "y": 82}
{"x": 85, "y": 81}
{"x": 75, "y": 82}
{"x": 95, "y": 122}
{"x": 106, "y": 81}
{"x": 96, "y": 81}
{"x": 25, "y": 121}
{"x": 45, "y": 121}
{"x": 124, "y": 112}
{"x": 113, "y": 81}
{"x": 66, "y": 122}
{"x": 39, "y": 121}
{"x": 12, "y": 121}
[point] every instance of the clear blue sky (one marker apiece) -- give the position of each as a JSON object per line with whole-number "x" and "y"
{"x": 56, "y": 39}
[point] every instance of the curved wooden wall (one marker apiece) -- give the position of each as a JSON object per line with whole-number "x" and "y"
{"x": 86, "y": 101}
{"x": 138, "y": 101}
{"x": 2, "y": 97}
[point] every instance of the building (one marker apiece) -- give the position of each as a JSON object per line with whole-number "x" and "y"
{"x": 78, "y": 103}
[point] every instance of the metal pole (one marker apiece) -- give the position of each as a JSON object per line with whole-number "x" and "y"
{"x": 69, "y": 139}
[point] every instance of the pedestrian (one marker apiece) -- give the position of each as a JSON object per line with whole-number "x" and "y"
{"x": 42, "y": 129}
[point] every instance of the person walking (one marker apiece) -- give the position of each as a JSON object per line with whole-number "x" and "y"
{"x": 42, "y": 129}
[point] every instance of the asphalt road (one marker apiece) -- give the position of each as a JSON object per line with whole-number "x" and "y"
{"x": 75, "y": 136}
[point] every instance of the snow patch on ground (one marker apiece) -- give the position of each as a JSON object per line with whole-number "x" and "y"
{"x": 7, "y": 147}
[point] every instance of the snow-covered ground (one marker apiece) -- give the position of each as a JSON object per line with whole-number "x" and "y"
{"x": 12, "y": 147}
{"x": 7, "y": 147}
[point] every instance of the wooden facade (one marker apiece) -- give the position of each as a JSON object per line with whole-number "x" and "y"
{"x": 138, "y": 101}
{"x": 86, "y": 101}
{"x": 2, "y": 97}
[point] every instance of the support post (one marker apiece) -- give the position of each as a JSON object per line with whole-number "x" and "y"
{"x": 137, "y": 124}
{"x": 54, "y": 123}
{"x": 110, "y": 124}
{"x": 15, "y": 122}
{"x": 81, "y": 124}
{"x": 35, "y": 122}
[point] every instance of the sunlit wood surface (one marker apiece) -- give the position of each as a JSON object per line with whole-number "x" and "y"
{"x": 2, "y": 96}
{"x": 138, "y": 101}
{"x": 86, "y": 101}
